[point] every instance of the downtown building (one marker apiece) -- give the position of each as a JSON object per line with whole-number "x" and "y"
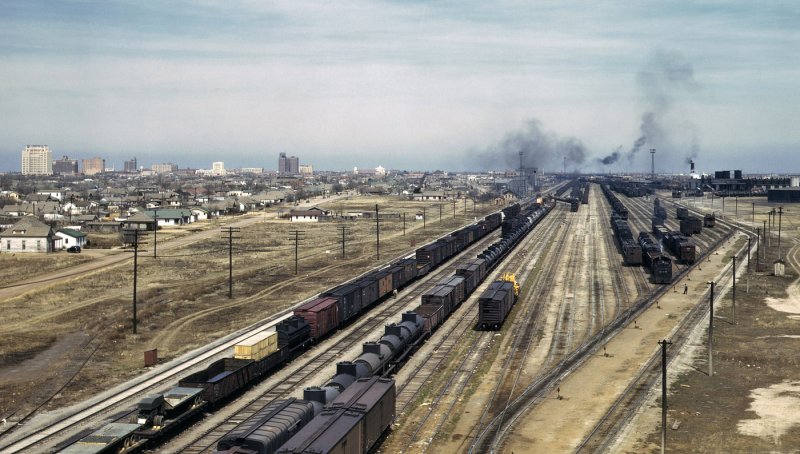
{"x": 37, "y": 160}
{"x": 288, "y": 165}
{"x": 65, "y": 166}
{"x": 93, "y": 166}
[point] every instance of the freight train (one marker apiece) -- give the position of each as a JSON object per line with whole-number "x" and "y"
{"x": 157, "y": 416}
{"x": 631, "y": 250}
{"x": 284, "y": 426}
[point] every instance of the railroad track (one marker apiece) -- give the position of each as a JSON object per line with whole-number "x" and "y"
{"x": 491, "y": 437}
{"x": 304, "y": 370}
{"x": 484, "y": 433}
{"x": 635, "y": 394}
{"x": 446, "y": 397}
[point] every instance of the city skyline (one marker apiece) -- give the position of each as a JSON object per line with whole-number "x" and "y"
{"x": 405, "y": 85}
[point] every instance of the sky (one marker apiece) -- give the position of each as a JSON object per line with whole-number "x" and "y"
{"x": 405, "y": 84}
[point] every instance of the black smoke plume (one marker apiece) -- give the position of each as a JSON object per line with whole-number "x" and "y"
{"x": 612, "y": 158}
{"x": 667, "y": 76}
{"x": 539, "y": 148}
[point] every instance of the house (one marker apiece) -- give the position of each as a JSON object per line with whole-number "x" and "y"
{"x": 430, "y": 195}
{"x": 139, "y": 221}
{"x": 70, "y": 237}
{"x": 310, "y": 215}
{"x": 28, "y": 235}
{"x": 172, "y": 217}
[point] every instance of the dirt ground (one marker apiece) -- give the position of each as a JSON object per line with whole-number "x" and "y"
{"x": 83, "y": 330}
{"x": 12, "y": 266}
{"x": 752, "y": 403}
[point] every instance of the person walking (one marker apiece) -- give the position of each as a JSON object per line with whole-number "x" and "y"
{"x": 685, "y": 288}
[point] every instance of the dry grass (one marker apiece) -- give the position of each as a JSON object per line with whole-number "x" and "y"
{"x": 14, "y": 267}
{"x": 182, "y": 294}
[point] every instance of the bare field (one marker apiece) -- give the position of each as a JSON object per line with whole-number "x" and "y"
{"x": 182, "y": 297}
{"x": 13, "y": 266}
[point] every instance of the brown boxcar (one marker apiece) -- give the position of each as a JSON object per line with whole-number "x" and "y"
{"x": 321, "y": 314}
{"x": 384, "y": 283}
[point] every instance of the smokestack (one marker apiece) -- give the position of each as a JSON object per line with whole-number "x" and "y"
{"x": 653, "y": 162}
{"x": 691, "y": 162}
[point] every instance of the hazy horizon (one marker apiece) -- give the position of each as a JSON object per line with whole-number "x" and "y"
{"x": 406, "y": 85}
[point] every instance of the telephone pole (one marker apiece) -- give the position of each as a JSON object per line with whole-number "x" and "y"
{"x": 155, "y": 231}
{"x": 230, "y": 231}
{"x": 711, "y": 331}
{"x": 136, "y": 242}
{"x": 377, "y": 232}
{"x": 734, "y": 289}
{"x": 344, "y": 230}
{"x": 297, "y": 239}
{"x": 664, "y": 344}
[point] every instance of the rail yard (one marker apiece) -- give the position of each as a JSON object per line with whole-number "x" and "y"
{"x": 526, "y": 327}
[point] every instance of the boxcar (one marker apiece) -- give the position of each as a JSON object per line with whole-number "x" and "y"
{"x": 321, "y": 314}
{"x": 709, "y": 220}
{"x": 691, "y": 225}
{"x": 681, "y": 213}
{"x": 494, "y": 305}
{"x": 349, "y": 297}
{"x": 440, "y": 295}
{"x": 631, "y": 252}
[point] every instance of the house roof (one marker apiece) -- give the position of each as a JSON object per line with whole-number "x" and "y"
{"x": 28, "y": 227}
{"x": 140, "y": 216}
{"x": 169, "y": 214}
{"x": 71, "y": 232}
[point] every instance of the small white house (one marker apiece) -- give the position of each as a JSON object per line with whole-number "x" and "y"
{"x": 66, "y": 238}
{"x": 309, "y": 215}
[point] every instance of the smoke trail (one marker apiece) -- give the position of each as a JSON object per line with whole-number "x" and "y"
{"x": 667, "y": 76}
{"x": 539, "y": 148}
{"x": 612, "y": 158}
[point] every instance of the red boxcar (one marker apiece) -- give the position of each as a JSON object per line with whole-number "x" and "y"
{"x": 321, "y": 314}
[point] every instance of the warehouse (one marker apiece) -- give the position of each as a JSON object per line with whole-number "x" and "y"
{"x": 784, "y": 195}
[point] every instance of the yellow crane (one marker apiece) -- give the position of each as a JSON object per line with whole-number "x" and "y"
{"x": 509, "y": 277}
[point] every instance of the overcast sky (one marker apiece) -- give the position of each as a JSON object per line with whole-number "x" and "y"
{"x": 405, "y": 84}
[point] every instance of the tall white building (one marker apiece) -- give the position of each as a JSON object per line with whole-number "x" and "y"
{"x": 37, "y": 160}
{"x": 218, "y": 168}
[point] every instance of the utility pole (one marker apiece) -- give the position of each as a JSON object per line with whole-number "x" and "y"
{"x": 780, "y": 216}
{"x": 423, "y": 218}
{"x": 440, "y": 213}
{"x": 155, "y": 231}
{"x": 754, "y": 215}
{"x": 758, "y": 248}
{"x": 748, "y": 251}
{"x": 711, "y": 332}
{"x": 465, "y": 205}
{"x": 297, "y": 239}
{"x": 136, "y": 243}
{"x": 454, "y": 208}
{"x": 344, "y": 229}
{"x": 404, "y": 223}
{"x": 230, "y": 231}
{"x": 734, "y": 289}
{"x": 377, "y": 232}
{"x": 664, "y": 344}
